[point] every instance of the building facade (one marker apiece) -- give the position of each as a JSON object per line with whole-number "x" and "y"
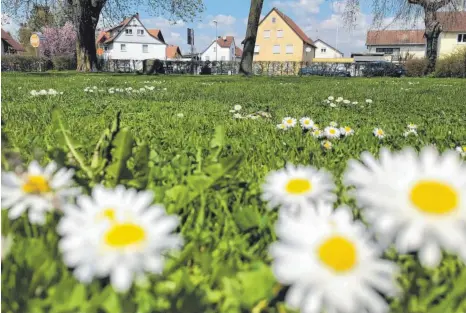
{"x": 9, "y": 45}
{"x": 222, "y": 49}
{"x": 131, "y": 40}
{"x": 325, "y": 51}
{"x": 279, "y": 38}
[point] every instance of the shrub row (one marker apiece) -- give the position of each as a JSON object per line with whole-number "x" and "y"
{"x": 23, "y": 63}
{"x": 453, "y": 65}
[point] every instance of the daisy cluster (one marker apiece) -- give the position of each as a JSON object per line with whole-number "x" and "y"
{"x": 411, "y": 129}
{"x": 461, "y": 150}
{"x": 254, "y": 116}
{"x": 334, "y": 263}
{"x": 334, "y": 102}
{"x": 125, "y": 234}
{"x": 127, "y": 90}
{"x": 43, "y": 92}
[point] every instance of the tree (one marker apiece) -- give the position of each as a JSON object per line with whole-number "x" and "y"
{"x": 40, "y": 18}
{"x": 85, "y": 14}
{"x": 249, "y": 41}
{"x": 407, "y": 11}
{"x": 59, "y": 40}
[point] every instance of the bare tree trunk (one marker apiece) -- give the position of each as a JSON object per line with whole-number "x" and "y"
{"x": 432, "y": 34}
{"x": 249, "y": 41}
{"x": 86, "y": 15}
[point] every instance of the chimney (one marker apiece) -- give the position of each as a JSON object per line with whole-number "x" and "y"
{"x": 137, "y": 15}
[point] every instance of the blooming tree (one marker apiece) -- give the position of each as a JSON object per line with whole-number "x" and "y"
{"x": 59, "y": 40}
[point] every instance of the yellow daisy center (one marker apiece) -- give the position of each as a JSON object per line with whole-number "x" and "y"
{"x": 347, "y": 129}
{"x": 434, "y": 197}
{"x": 464, "y": 148}
{"x": 306, "y": 122}
{"x": 109, "y": 214}
{"x": 338, "y": 253}
{"x": 298, "y": 186}
{"x": 379, "y": 132}
{"x": 125, "y": 234}
{"x": 36, "y": 184}
{"x": 289, "y": 121}
{"x": 332, "y": 131}
{"x": 327, "y": 145}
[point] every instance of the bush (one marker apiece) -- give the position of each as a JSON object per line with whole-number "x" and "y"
{"x": 453, "y": 65}
{"x": 25, "y": 63}
{"x": 415, "y": 67}
{"x": 64, "y": 62}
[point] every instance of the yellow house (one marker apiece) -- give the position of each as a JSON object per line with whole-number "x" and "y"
{"x": 453, "y": 36}
{"x": 280, "y": 39}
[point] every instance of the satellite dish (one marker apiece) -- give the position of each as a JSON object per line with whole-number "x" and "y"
{"x": 308, "y": 49}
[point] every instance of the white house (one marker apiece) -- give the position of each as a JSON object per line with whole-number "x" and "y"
{"x": 222, "y": 49}
{"x": 131, "y": 40}
{"x": 324, "y": 50}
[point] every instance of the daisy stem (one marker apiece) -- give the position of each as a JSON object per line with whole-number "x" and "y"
{"x": 27, "y": 228}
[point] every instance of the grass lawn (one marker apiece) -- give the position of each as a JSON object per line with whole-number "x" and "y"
{"x": 228, "y": 227}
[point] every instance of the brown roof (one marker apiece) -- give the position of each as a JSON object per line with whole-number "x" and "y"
{"x": 13, "y": 43}
{"x": 395, "y": 37}
{"x": 238, "y": 52}
{"x": 103, "y": 36}
{"x": 173, "y": 51}
{"x": 452, "y": 21}
{"x": 329, "y": 46}
{"x": 157, "y": 33}
{"x": 294, "y": 27}
{"x": 225, "y": 43}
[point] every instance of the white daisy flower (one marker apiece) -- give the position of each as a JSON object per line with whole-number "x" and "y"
{"x": 346, "y": 131}
{"x": 7, "y": 242}
{"x": 294, "y": 187}
{"x": 90, "y": 90}
{"x": 333, "y": 124}
{"x": 289, "y": 122}
{"x": 316, "y": 126}
{"x": 306, "y": 122}
{"x": 111, "y": 91}
{"x": 237, "y": 107}
{"x": 411, "y": 131}
{"x": 332, "y": 132}
{"x": 379, "y": 133}
{"x": 95, "y": 87}
{"x": 327, "y": 145}
{"x": 180, "y": 115}
{"x": 355, "y": 102}
{"x": 369, "y": 101}
{"x": 417, "y": 202}
{"x": 232, "y": 111}
{"x": 333, "y": 105}
{"x": 461, "y": 150}
{"x": 412, "y": 126}
{"x": 317, "y": 133}
{"x": 237, "y": 115}
{"x": 38, "y": 190}
{"x": 282, "y": 126}
{"x": 125, "y": 236}
{"x": 331, "y": 264}
{"x": 33, "y": 93}
{"x": 346, "y": 101}
{"x": 339, "y": 99}
{"x": 43, "y": 92}
{"x": 331, "y": 98}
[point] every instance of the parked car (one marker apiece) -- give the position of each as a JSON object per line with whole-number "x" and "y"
{"x": 323, "y": 71}
{"x": 383, "y": 68}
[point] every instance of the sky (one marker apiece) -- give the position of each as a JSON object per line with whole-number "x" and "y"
{"x": 319, "y": 19}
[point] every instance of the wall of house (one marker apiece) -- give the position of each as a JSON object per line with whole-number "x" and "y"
{"x": 329, "y": 53}
{"x": 448, "y": 43}
{"x": 308, "y": 56}
{"x": 222, "y": 54}
{"x": 266, "y": 44}
{"x": 134, "y": 44}
{"x": 419, "y": 51}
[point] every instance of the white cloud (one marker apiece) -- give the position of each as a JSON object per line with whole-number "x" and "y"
{"x": 299, "y": 7}
{"x": 162, "y": 23}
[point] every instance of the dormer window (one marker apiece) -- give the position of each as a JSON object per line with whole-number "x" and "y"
{"x": 140, "y": 32}
{"x": 128, "y": 31}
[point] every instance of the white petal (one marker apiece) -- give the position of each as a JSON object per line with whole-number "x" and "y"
{"x": 17, "y": 210}
{"x": 312, "y": 302}
{"x": 50, "y": 168}
{"x": 153, "y": 264}
{"x": 295, "y": 296}
{"x": 121, "y": 278}
{"x": 84, "y": 273}
{"x": 36, "y": 217}
{"x": 143, "y": 200}
{"x": 34, "y": 168}
{"x": 410, "y": 238}
{"x": 430, "y": 255}
{"x": 12, "y": 198}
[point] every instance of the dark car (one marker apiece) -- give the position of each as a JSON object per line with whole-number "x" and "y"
{"x": 323, "y": 71}
{"x": 383, "y": 69}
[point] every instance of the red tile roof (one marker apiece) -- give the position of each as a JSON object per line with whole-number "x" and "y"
{"x": 173, "y": 52}
{"x": 238, "y": 52}
{"x": 452, "y": 21}
{"x": 294, "y": 27}
{"x": 395, "y": 37}
{"x": 157, "y": 33}
{"x": 225, "y": 43}
{"x": 13, "y": 43}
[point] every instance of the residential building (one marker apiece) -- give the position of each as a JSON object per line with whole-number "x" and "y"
{"x": 131, "y": 40}
{"x": 9, "y": 45}
{"x": 402, "y": 44}
{"x": 222, "y": 49}
{"x": 238, "y": 54}
{"x": 279, "y": 38}
{"x": 326, "y": 51}
{"x": 173, "y": 53}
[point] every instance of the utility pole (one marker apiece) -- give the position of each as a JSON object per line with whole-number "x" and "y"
{"x": 216, "y": 40}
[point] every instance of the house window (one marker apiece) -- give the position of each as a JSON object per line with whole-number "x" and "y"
{"x": 128, "y": 31}
{"x": 276, "y": 49}
{"x": 289, "y": 49}
{"x": 223, "y": 58}
{"x": 323, "y": 50}
{"x": 257, "y": 49}
{"x": 388, "y": 50}
{"x": 215, "y": 48}
{"x": 461, "y": 38}
{"x": 145, "y": 48}
{"x": 140, "y": 32}
{"x": 105, "y": 48}
{"x": 279, "y": 33}
{"x": 123, "y": 47}
{"x": 274, "y": 20}
{"x": 266, "y": 33}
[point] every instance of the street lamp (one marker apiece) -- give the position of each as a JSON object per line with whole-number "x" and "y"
{"x": 216, "y": 38}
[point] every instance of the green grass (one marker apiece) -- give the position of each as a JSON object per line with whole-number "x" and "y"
{"x": 234, "y": 229}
